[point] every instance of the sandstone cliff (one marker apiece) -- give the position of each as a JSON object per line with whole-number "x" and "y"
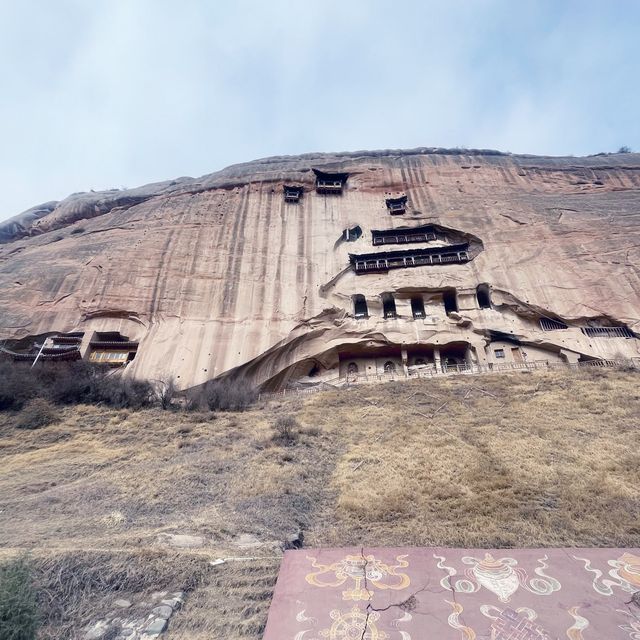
{"x": 220, "y": 275}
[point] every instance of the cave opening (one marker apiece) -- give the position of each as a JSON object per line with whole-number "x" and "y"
{"x": 397, "y": 206}
{"x": 360, "y": 309}
{"x": 330, "y": 183}
{"x": 388, "y": 305}
{"x": 450, "y": 299}
{"x": 483, "y": 296}
{"x": 292, "y": 194}
{"x": 353, "y": 234}
{"x": 417, "y": 308}
{"x": 550, "y": 324}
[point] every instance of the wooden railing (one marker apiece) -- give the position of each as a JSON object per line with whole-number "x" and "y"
{"x": 430, "y": 371}
{"x": 384, "y": 264}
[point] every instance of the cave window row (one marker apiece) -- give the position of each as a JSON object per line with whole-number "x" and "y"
{"x": 389, "y": 311}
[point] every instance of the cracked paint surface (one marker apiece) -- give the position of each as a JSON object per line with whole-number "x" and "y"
{"x": 465, "y": 594}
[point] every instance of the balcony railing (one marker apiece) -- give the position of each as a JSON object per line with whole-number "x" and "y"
{"x": 329, "y": 186}
{"x": 607, "y": 332}
{"x": 384, "y": 264}
{"x": 547, "y": 324}
{"x": 404, "y": 238}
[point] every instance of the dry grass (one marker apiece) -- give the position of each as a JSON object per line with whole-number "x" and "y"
{"x": 78, "y": 588}
{"x": 496, "y": 461}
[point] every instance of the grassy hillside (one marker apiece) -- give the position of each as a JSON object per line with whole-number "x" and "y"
{"x": 523, "y": 459}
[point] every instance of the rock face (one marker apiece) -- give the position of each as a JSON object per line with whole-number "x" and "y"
{"x": 490, "y": 258}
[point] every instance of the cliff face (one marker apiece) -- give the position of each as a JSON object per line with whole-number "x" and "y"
{"x": 220, "y": 274}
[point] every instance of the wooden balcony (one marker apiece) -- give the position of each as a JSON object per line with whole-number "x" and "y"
{"x": 425, "y": 233}
{"x": 381, "y": 262}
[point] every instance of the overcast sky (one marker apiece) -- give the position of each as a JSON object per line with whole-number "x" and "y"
{"x": 109, "y": 93}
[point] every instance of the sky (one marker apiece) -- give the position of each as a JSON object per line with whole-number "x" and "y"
{"x": 98, "y": 94}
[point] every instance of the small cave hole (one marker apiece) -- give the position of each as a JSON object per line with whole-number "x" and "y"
{"x": 353, "y": 234}
{"x": 360, "y": 309}
{"x": 417, "y": 308}
{"x": 450, "y": 300}
{"x": 388, "y": 305}
{"x": 483, "y": 296}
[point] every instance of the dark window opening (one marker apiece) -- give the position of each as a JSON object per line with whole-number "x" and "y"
{"x": 292, "y": 194}
{"x": 450, "y": 300}
{"x": 109, "y": 336}
{"x": 360, "y": 306}
{"x": 547, "y": 324}
{"x": 403, "y": 236}
{"x": 483, "y": 296}
{"x": 330, "y": 183}
{"x": 499, "y": 353}
{"x": 351, "y": 235}
{"x": 352, "y": 368}
{"x": 417, "y": 308}
{"x": 397, "y": 206}
{"x": 389, "y": 367}
{"x": 389, "y": 306}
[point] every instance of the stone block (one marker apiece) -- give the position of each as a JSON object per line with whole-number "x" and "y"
{"x": 163, "y": 611}
{"x": 122, "y": 603}
{"x": 157, "y": 626}
{"x": 174, "y": 603}
{"x": 97, "y": 631}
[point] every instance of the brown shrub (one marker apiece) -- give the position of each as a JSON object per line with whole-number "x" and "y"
{"x": 18, "y": 386}
{"x": 286, "y": 429}
{"x": 37, "y": 413}
{"x": 224, "y": 395}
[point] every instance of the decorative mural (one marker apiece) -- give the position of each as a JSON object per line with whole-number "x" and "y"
{"x": 625, "y": 574}
{"x": 457, "y": 594}
{"x": 365, "y": 573}
{"x": 500, "y": 576}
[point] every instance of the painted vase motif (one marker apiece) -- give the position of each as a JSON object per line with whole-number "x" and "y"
{"x": 501, "y": 576}
{"x": 498, "y": 576}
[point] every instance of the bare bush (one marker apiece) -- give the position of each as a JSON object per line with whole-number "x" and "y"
{"x": 71, "y": 384}
{"x": 125, "y": 393}
{"x": 195, "y": 401}
{"x": 35, "y": 414}
{"x": 229, "y": 395}
{"x": 166, "y": 392}
{"x": 82, "y": 382}
{"x": 18, "y": 386}
{"x": 286, "y": 429}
